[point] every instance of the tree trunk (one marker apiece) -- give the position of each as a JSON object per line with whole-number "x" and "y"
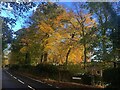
{"x": 104, "y": 50}
{"x": 104, "y": 43}
{"x": 85, "y": 56}
{"x": 27, "y": 58}
{"x": 103, "y": 32}
{"x": 45, "y": 56}
{"x": 84, "y": 46}
{"x": 41, "y": 58}
{"x": 67, "y": 56}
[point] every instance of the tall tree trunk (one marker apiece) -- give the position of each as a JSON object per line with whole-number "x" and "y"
{"x": 104, "y": 50}
{"x": 45, "y": 56}
{"x": 103, "y": 33}
{"x": 41, "y": 58}
{"x": 67, "y": 55}
{"x": 104, "y": 29}
{"x": 85, "y": 56}
{"x": 27, "y": 58}
{"x": 84, "y": 46}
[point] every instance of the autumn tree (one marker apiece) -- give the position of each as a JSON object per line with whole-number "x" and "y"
{"x": 85, "y": 25}
{"x": 37, "y": 34}
{"x": 44, "y": 18}
{"x": 51, "y": 32}
{"x": 55, "y": 38}
{"x": 16, "y": 57}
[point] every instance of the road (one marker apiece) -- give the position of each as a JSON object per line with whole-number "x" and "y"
{"x": 10, "y": 81}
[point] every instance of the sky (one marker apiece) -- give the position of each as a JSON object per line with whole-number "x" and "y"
{"x": 88, "y": 0}
{"x": 20, "y": 21}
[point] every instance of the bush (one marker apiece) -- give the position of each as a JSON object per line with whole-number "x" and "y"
{"x": 112, "y": 75}
{"x": 77, "y": 68}
{"x": 86, "y": 79}
{"x": 65, "y": 75}
{"x": 46, "y": 68}
{"x": 14, "y": 67}
{"x": 53, "y": 72}
{"x": 27, "y": 68}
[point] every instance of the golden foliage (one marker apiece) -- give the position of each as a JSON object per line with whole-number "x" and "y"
{"x": 46, "y": 28}
{"x": 55, "y": 38}
{"x": 23, "y": 49}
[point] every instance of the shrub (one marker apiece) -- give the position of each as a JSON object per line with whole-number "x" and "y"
{"x": 65, "y": 75}
{"x": 46, "y": 68}
{"x": 86, "y": 79}
{"x": 14, "y": 67}
{"x": 27, "y": 68}
{"x": 112, "y": 75}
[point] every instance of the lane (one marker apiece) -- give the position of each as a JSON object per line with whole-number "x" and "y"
{"x": 15, "y": 81}
{"x": 36, "y": 84}
{"x": 9, "y": 82}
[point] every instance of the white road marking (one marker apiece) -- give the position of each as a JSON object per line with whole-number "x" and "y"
{"x": 20, "y": 81}
{"x": 14, "y": 77}
{"x": 40, "y": 81}
{"x": 7, "y": 72}
{"x": 43, "y": 82}
{"x": 36, "y": 80}
{"x": 11, "y": 75}
{"x": 49, "y": 84}
{"x": 31, "y": 87}
{"x": 30, "y": 78}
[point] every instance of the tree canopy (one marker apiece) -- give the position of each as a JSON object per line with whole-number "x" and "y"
{"x": 57, "y": 35}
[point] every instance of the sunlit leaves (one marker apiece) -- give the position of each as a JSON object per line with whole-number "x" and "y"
{"x": 23, "y": 50}
{"x": 56, "y": 36}
{"x": 45, "y": 28}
